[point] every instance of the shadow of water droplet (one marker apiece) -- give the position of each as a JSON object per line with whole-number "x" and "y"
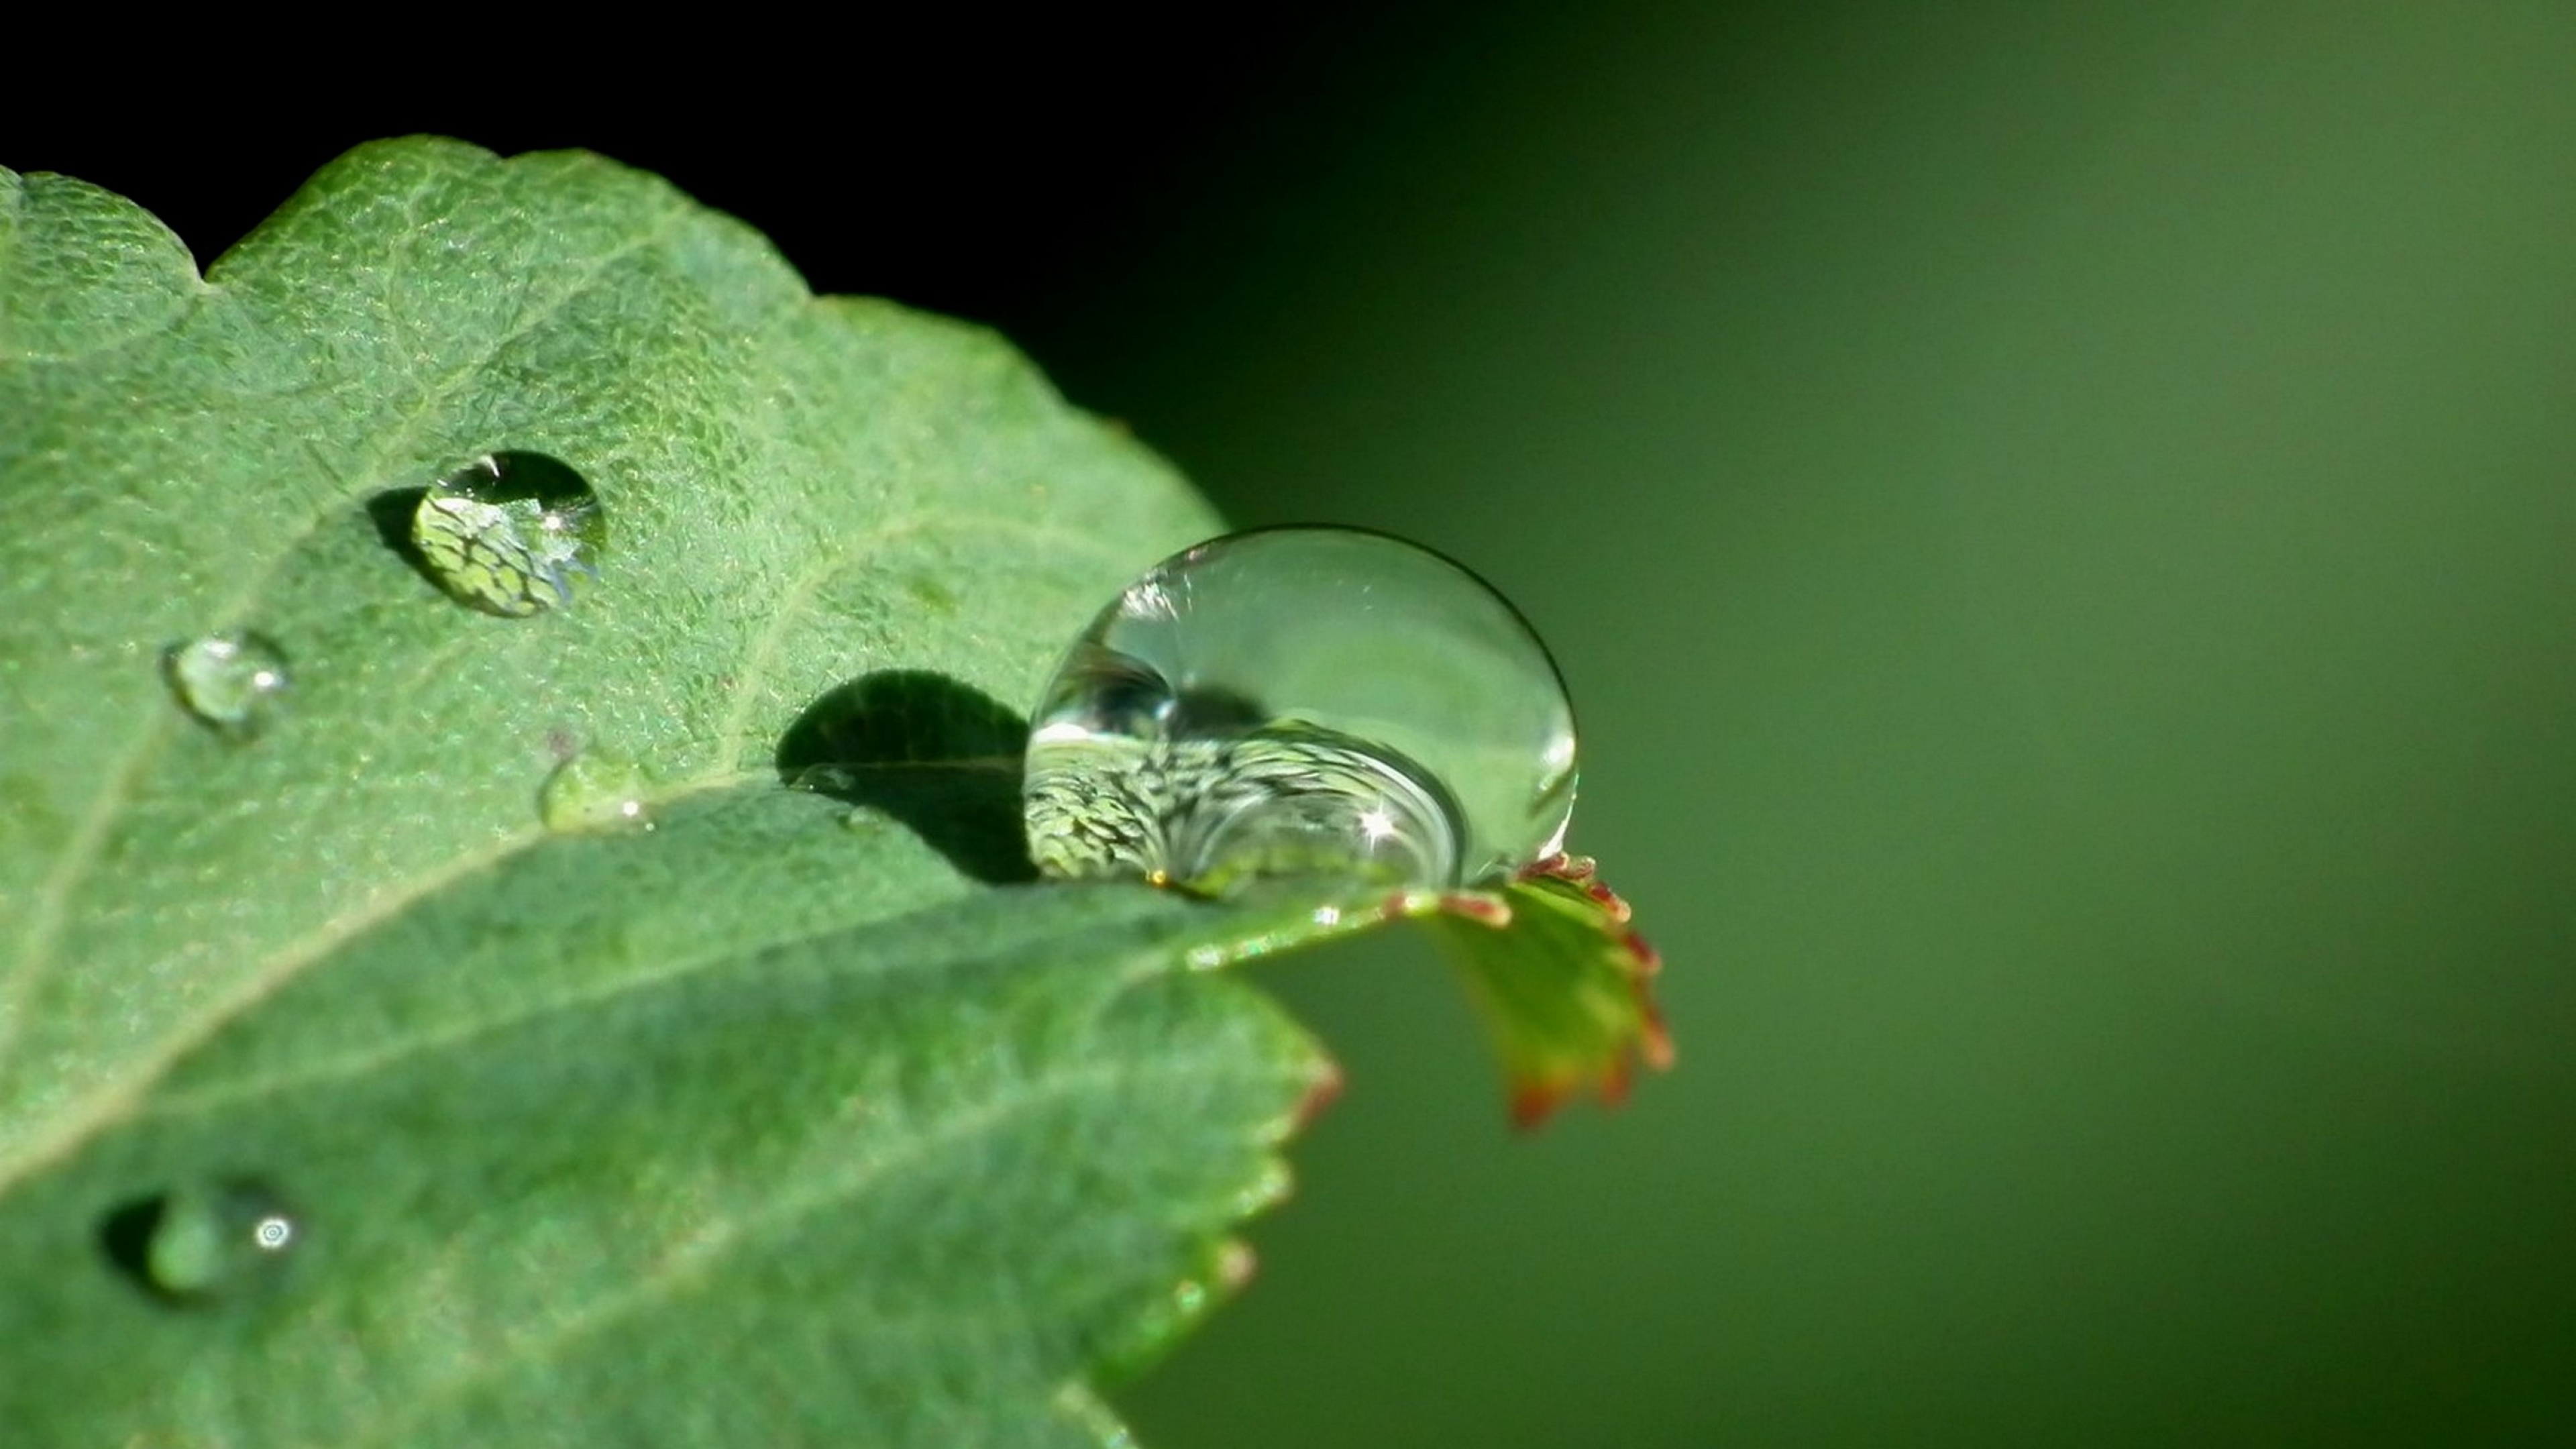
{"x": 125, "y": 1236}
{"x": 391, "y": 512}
{"x": 939, "y": 756}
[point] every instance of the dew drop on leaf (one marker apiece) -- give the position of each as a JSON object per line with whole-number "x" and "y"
{"x": 508, "y": 532}
{"x": 594, "y": 790}
{"x": 228, "y": 681}
{"x": 1302, "y": 700}
{"x": 216, "y": 1241}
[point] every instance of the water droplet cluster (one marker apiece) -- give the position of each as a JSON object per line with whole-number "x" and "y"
{"x": 1301, "y": 701}
{"x": 508, "y": 532}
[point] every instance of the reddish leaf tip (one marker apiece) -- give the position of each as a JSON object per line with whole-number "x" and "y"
{"x": 1584, "y": 874}
{"x": 1534, "y": 1102}
{"x": 1482, "y": 907}
{"x": 1655, "y": 1042}
{"x": 1235, "y": 1265}
{"x": 1321, "y": 1093}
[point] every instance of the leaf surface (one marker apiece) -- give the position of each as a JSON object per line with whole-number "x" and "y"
{"x": 778, "y": 1122}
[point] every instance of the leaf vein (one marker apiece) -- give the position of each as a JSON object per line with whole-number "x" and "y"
{"x": 86, "y": 1116}
{"x": 709, "y": 1253}
{"x": 38, "y": 944}
{"x": 798, "y": 601}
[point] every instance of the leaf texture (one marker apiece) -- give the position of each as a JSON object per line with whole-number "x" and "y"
{"x": 793, "y": 1118}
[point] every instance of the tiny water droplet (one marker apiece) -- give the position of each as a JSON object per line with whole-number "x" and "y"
{"x": 1302, "y": 700}
{"x": 507, "y": 532}
{"x": 595, "y": 790}
{"x": 215, "y": 1241}
{"x": 229, "y": 681}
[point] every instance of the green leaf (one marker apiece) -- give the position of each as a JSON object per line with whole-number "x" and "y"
{"x": 1564, "y": 983}
{"x": 776, "y": 1122}
{"x": 715, "y": 1175}
{"x": 444, "y": 1010}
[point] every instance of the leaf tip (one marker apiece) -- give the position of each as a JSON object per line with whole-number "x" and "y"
{"x": 1564, "y": 982}
{"x": 1321, "y": 1093}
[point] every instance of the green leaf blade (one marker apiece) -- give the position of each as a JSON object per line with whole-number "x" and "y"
{"x": 747, "y": 1127}
{"x": 773, "y": 1122}
{"x": 772, "y": 493}
{"x": 964, "y": 1146}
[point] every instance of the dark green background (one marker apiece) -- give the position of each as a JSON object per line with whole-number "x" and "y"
{"x": 2062, "y": 528}
{"x": 2059, "y": 522}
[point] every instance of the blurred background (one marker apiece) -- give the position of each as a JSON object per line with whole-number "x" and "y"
{"x": 2059, "y": 522}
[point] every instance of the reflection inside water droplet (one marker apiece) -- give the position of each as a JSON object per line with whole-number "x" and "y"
{"x": 595, "y": 790}
{"x": 508, "y": 532}
{"x": 228, "y": 681}
{"x": 1302, "y": 700}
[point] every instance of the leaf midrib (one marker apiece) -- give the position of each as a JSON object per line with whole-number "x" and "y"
{"x": 160, "y": 722}
{"x": 84, "y": 1117}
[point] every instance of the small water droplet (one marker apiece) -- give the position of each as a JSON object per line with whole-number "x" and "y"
{"x": 229, "y": 681}
{"x": 210, "y": 1242}
{"x": 595, "y": 790}
{"x": 1302, "y": 700}
{"x": 508, "y": 532}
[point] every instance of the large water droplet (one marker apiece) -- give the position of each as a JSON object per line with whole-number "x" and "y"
{"x": 595, "y": 790}
{"x": 213, "y": 1241}
{"x": 230, "y": 681}
{"x": 507, "y": 532}
{"x": 1299, "y": 700}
